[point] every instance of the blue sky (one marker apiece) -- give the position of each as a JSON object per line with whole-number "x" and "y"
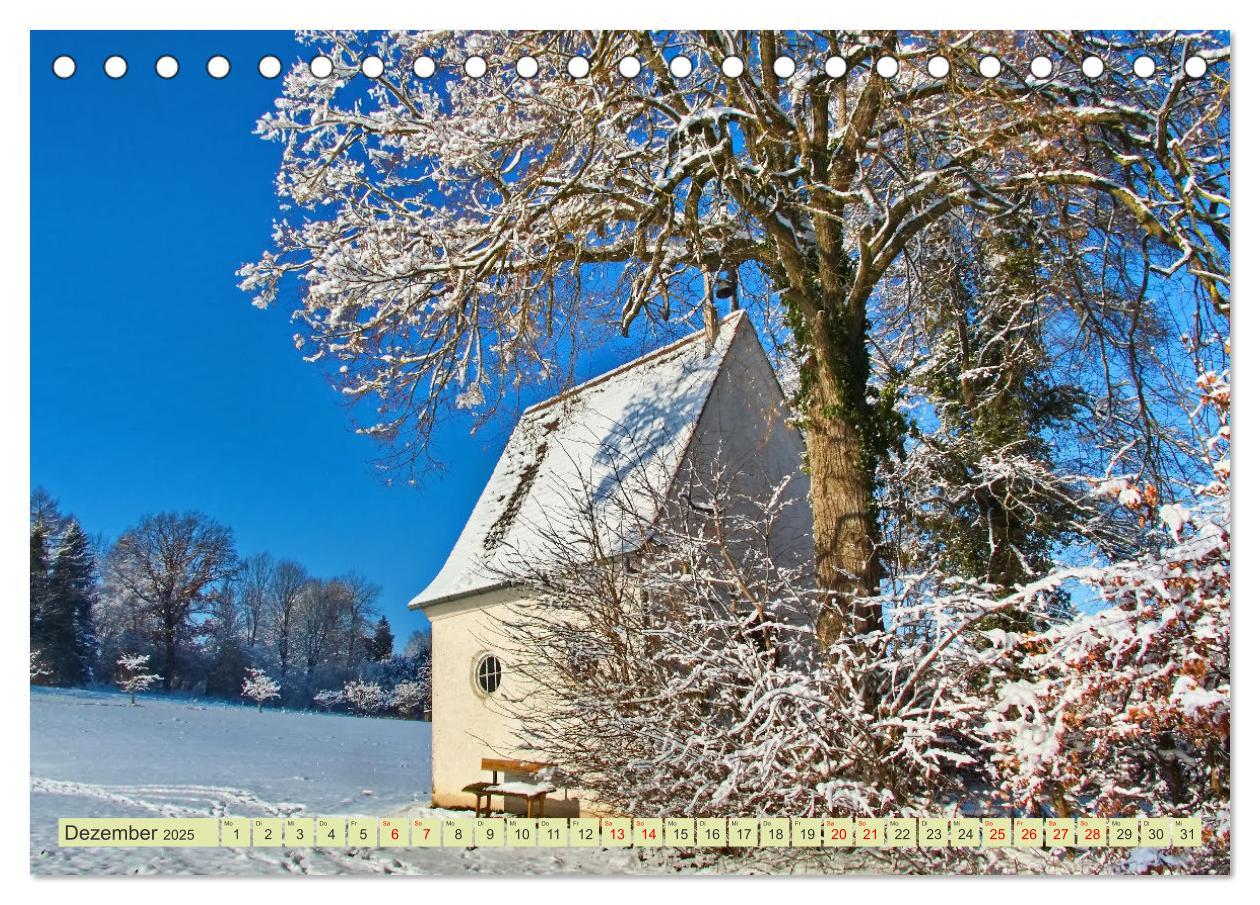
{"x": 155, "y": 385}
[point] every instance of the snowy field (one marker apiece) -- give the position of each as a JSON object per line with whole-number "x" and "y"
{"x": 92, "y": 755}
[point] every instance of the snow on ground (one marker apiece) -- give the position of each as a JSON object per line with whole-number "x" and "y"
{"x": 93, "y": 755}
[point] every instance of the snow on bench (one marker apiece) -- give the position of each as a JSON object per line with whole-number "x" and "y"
{"x": 531, "y": 791}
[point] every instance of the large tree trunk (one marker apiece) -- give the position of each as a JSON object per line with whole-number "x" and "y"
{"x": 841, "y": 497}
{"x": 841, "y": 478}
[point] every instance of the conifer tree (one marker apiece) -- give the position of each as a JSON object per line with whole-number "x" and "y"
{"x": 998, "y": 512}
{"x": 39, "y": 591}
{"x": 381, "y": 644}
{"x": 68, "y": 631}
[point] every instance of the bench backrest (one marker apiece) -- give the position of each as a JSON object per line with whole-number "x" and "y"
{"x": 496, "y": 765}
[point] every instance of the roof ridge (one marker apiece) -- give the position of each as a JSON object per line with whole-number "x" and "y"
{"x": 621, "y": 369}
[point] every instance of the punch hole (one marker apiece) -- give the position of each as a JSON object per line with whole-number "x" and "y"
{"x": 1092, "y": 67}
{"x": 578, "y": 67}
{"x": 115, "y": 67}
{"x": 424, "y": 67}
{"x": 990, "y": 66}
{"x": 680, "y": 67}
{"x": 835, "y": 67}
{"x": 527, "y": 67}
{"x": 218, "y": 66}
{"x": 1041, "y": 68}
{"x": 938, "y": 67}
{"x": 167, "y": 67}
{"x": 784, "y": 67}
{"x": 629, "y": 67}
{"x": 475, "y": 67}
{"x": 64, "y": 66}
{"x": 732, "y": 67}
{"x": 1196, "y": 67}
{"x": 1144, "y": 67}
{"x": 887, "y": 66}
{"x": 321, "y": 67}
{"x": 372, "y": 66}
{"x": 269, "y": 67}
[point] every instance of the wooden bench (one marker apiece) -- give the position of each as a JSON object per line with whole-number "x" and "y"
{"x": 534, "y": 793}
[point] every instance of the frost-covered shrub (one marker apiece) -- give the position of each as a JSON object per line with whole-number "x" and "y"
{"x": 329, "y": 698}
{"x": 365, "y": 697}
{"x": 133, "y": 675}
{"x": 259, "y": 687}
{"x": 1127, "y": 711}
{"x": 38, "y": 669}
{"x": 687, "y": 678}
{"x": 412, "y": 698}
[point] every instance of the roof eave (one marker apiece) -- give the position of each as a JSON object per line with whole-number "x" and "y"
{"x": 422, "y": 602}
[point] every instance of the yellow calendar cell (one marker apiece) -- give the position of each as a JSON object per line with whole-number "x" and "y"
{"x": 837, "y": 832}
{"x": 553, "y": 832}
{"x": 680, "y": 831}
{"x": 1091, "y": 832}
{"x": 868, "y": 832}
{"x": 901, "y": 832}
{"x": 234, "y": 831}
{"x": 361, "y": 832}
{"x": 711, "y": 831}
{"x": 330, "y": 832}
{"x": 1029, "y": 832}
{"x": 522, "y": 832}
{"x": 268, "y": 832}
{"x": 393, "y": 832}
{"x": 649, "y": 832}
{"x": 299, "y": 832}
{"x": 426, "y": 832}
{"x": 1187, "y": 831}
{"x": 584, "y": 832}
{"x": 775, "y": 831}
{"x": 457, "y": 832}
{"x": 1122, "y": 832}
{"x": 1060, "y": 832}
{"x": 741, "y": 832}
{"x": 615, "y": 832}
{"x": 1155, "y": 832}
{"x": 933, "y": 832}
{"x": 144, "y": 832}
{"x": 807, "y": 832}
{"x": 996, "y": 832}
{"x": 490, "y": 832}
{"x": 965, "y": 832}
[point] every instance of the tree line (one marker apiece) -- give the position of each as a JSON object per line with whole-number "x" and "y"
{"x": 174, "y": 590}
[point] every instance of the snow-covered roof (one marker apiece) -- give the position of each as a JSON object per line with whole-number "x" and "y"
{"x": 626, "y": 429}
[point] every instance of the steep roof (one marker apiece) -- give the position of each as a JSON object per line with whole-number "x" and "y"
{"x": 628, "y": 428}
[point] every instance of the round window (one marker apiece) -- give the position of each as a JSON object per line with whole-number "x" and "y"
{"x": 489, "y": 673}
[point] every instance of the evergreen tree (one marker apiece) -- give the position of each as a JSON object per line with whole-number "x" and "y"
{"x": 39, "y": 593}
{"x": 381, "y": 645}
{"x": 999, "y": 511}
{"x": 70, "y": 641}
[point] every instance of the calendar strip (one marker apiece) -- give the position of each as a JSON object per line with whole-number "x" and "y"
{"x": 632, "y": 832}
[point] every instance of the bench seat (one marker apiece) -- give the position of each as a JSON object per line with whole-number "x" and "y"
{"x": 523, "y": 789}
{"x": 534, "y": 793}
